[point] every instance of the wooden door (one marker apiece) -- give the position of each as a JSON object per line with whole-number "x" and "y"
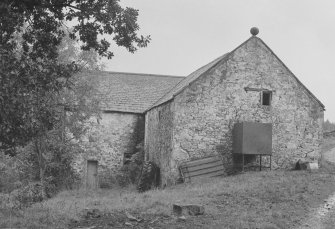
{"x": 92, "y": 174}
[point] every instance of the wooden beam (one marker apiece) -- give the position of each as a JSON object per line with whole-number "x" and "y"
{"x": 257, "y": 89}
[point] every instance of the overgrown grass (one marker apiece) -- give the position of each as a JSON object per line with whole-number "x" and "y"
{"x": 267, "y": 199}
{"x": 252, "y": 199}
{"x": 328, "y": 144}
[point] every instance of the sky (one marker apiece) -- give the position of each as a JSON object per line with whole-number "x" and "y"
{"x": 187, "y": 34}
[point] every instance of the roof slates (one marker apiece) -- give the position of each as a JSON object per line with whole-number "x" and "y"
{"x": 131, "y": 92}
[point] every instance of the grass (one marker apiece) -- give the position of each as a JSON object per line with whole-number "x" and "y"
{"x": 267, "y": 199}
{"x": 328, "y": 144}
{"x": 255, "y": 199}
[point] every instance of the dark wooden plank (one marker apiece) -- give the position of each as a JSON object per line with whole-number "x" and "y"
{"x": 202, "y": 165}
{"x": 212, "y": 174}
{"x": 205, "y": 166}
{"x": 184, "y": 171}
{"x": 205, "y": 171}
{"x": 201, "y": 161}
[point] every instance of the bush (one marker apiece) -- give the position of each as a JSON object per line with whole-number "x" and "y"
{"x": 131, "y": 170}
{"x": 107, "y": 179}
{"x": 19, "y": 174}
{"x": 8, "y": 202}
{"x": 149, "y": 178}
{"x": 21, "y": 197}
{"x": 58, "y": 173}
{"x": 128, "y": 174}
{"x": 123, "y": 179}
{"x": 12, "y": 172}
{"x": 28, "y": 195}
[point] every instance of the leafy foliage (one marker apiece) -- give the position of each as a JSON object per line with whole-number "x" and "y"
{"x": 50, "y": 155}
{"x": 43, "y": 103}
{"x": 69, "y": 51}
{"x": 128, "y": 174}
{"x": 31, "y": 75}
{"x": 149, "y": 178}
{"x": 133, "y": 166}
{"x": 11, "y": 173}
{"x": 94, "y": 18}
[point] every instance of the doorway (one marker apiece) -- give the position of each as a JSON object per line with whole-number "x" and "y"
{"x": 92, "y": 174}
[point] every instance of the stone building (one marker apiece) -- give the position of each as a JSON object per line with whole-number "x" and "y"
{"x": 112, "y": 137}
{"x": 182, "y": 119}
{"x": 250, "y": 83}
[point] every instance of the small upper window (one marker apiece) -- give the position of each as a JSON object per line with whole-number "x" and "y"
{"x": 266, "y": 98}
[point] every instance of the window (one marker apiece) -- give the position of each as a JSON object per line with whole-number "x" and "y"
{"x": 266, "y": 98}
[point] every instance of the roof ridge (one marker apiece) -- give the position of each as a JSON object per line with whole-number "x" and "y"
{"x": 144, "y": 74}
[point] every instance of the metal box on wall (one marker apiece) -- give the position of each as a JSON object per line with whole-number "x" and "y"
{"x": 252, "y": 138}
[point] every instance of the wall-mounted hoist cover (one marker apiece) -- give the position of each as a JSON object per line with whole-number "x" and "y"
{"x": 252, "y": 138}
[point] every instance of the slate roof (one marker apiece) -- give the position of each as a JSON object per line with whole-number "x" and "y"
{"x": 138, "y": 93}
{"x": 131, "y": 92}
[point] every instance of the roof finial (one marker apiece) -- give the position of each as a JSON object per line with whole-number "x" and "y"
{"x": 254, "y": 31}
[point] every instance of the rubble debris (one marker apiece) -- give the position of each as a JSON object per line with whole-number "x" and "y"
{"x": 189, "y": 209}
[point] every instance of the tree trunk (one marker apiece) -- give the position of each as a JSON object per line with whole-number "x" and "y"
{"x": 41, "y": 165}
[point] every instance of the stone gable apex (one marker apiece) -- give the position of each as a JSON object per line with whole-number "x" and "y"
{"x": 201, "y": 71}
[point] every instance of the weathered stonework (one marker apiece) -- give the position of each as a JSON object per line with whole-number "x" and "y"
{"x": 158, "y": 139}
{"x": 201, "y": 117}
{"x": 108, "y": 141}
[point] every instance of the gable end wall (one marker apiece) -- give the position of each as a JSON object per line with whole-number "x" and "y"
{"x": 206, "y": 111}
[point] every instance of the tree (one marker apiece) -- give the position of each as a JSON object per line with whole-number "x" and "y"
{"x": 30, "y": 72}
{"x": 35, "y": 87}
{"x": 69, "y": 51}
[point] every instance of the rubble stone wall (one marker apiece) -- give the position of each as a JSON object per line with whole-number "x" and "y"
{"x": 108, "y": 141}
{"x": 207, "y": 109}
{"x": 158, "y": 139}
